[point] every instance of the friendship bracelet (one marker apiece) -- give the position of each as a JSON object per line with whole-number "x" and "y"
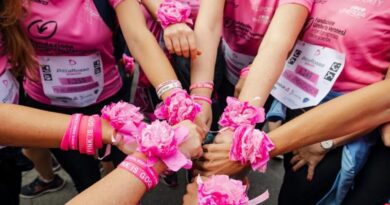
{"x": 137, "y": 171}
{"x": 244, "y": 71}
{"x": 173, "y": 12}
{"x": 161, "y": 89}
{"x": 208, "y": 85}
{"x": 202, "y": 98}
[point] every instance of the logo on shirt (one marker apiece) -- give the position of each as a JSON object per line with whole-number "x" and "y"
{"x": 355, "y": 11}
{"x": 42, "y": 30}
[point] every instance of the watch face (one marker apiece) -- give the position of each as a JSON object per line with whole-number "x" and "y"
{"x": 327, "y": 144}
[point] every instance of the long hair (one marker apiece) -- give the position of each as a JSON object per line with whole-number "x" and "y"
{"x": 14, "y": 42}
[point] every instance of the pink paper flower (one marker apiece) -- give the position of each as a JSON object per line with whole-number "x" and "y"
{"x": 160, "y": 141}
{"x": 172, "y": 12}
{"x": 220, "y": 190}
{"x": 128, "y": 63}
{"x": 239, "y": 113}
{"x": 125, "y": 118}
{"x": 251, "y": 146}
{"x": 178, "y": 107}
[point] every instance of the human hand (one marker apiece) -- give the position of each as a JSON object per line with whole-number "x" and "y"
{"x": 311, "y": 156}
{"x": 205, "y": 116}
{"x": 192, "y": 147}
{"x": 180, "y": 39}
{"x": 191, "y": 197}
{"x": 385, "y": 132}
{"x": 239, "y": 85}
{"x": 216, "y": 158}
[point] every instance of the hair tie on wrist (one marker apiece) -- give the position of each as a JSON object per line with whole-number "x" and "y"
{"x": 202, "y": 98}
{"x": 244, "y": 72}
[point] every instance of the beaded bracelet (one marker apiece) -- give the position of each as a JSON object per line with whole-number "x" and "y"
{"x": 208, "y": 85}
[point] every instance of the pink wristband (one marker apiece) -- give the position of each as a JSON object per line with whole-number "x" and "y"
{"x": 244, "y": 71}
{"x": 89, "y": 140}
{"x": 74, "y": 131}
{"x": 202, "y": 98}
{"x": 65, "y": 139}
{"x": 82, "y": 135}
{"x": 150, "y": 171}
{"x": 97, "y": 132}
{"x": 208, "y": 85}
{"x": 137, "y": 171}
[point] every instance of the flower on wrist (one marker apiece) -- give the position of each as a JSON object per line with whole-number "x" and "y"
{"x": 220, "y": 190}
{"x": 172, "y": 12}
{"x": 239, "y": 113}
{"x": 178, "y": 107}
{"x": 251, "y": 146}
{"x": 160, "y": 141}
{"x": 125, "y": 118}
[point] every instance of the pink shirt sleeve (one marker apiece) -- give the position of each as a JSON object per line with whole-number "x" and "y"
{"x": 114, "y": 3}
{"x": 306, "y": 3}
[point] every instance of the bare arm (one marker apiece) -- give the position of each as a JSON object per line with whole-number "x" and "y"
{"x": 143, "y": 45}
{"x": 152, "y": 6}
{"x": 273, "y": 52}
{"x": 24, "y": 126}
{"x": 208, "y": 30}
{"x": 346, "y": 114}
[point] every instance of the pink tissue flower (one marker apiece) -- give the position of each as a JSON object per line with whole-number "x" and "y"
{"x": 172, "y": 12}
{"x": 128, "y": 63}
{"x": 251, "y": 146}
{"x": 125, "y": 118}
{"x": 239, "y": 113}
{"x": 220, "y": 190}
{"x": 178, "y": 107}
{"x": 160, "y": 141}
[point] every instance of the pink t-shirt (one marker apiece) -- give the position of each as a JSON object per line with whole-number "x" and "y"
{"x": 358, "y": 28}
{"x": 75, "y": 29}
{"x": 245, "y": 24}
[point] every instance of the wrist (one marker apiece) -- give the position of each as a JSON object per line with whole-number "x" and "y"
{"x": 327, "y": 145}
{"x": 107, "y": 131}
{"x": 159, "y": 167}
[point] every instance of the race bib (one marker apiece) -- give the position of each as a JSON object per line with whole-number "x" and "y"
{"x": 309, "y": 74}
{"x": 72, "y": 81}
{"x": 235, "y": 61}
{"x": 9, "y": 88}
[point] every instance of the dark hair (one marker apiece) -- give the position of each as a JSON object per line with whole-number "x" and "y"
{"x": 14, "y": 42}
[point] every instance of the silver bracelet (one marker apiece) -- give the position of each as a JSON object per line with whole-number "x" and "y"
{"x": 165, "y": 88}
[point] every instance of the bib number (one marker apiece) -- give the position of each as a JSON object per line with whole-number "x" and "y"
{"x": 72, "y": 81}
{"x": 309, "y": 74}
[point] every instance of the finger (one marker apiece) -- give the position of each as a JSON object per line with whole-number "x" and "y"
{"x": 299, "y": 165}
{"x": 176, "y": 46}
{"x": 216, "y": 156}
{"x": 295, "y": 159}
{"x": 212, "y": 165}
{"x": 216, "y": 148}
{"x": 192, "y": 44}
{"x": 185, "y": 48}
{"x": 310, "y": 172}
{"x": 168, "y": 44}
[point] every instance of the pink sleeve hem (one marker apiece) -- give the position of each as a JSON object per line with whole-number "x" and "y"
{"x": 306, "y": 3}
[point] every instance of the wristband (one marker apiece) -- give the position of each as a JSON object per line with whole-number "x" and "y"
{"x": 89, "y": 140}
{"x": 74, "y": 131}
{"x": 97, "y": 132}
{"x": 64, "y": 145}
{"x": 202, "y": 98}
{"x": 251, "y": 146}
{"x": 82, "y": 135}
{"x": 173, "y": 12}
{"x": 149, "y": 170}
{"x": 219, "y": 189}
{"x": 160, "y": 141}
{"x": 238, "y": 113}
{"x": 137, "y": 171}
{"x": 177, "y": 107}
{"x": 167, "y": 86}
{"x": 208, "y": 85}
{"x": 244, "y": 71}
